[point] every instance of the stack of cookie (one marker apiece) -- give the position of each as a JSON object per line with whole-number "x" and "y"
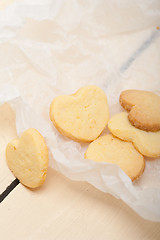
{"x": 82, "y": 117}
{"x": 141, "y": 126}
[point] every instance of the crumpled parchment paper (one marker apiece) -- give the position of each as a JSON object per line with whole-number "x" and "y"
{"x": 53, "y": 47}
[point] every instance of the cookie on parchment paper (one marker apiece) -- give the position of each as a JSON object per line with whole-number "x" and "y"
{"x": 110, "y": 149}
{"x": 81, "y": 116}
{"x": 147, "y": 143}
{"x": 143, "y": 107}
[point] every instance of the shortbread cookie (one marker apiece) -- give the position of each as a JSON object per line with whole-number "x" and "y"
{"x": 110, "y": 149}
{"x": 143, "y": 107}
{"x": 27, "y": 158}
{"x": 147, "y": 143}
{"x": 81, "y": 116}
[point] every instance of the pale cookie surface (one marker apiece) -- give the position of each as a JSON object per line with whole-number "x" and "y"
{"x": 147, "y": 143}
{"x": 81, "y": 116}
{"x": 27, "y": 158}
{"x": 110, "y": 149}
{"x": 143, "y": 107}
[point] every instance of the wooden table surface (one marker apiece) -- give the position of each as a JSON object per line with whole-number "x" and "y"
{"x": 62, "y": 209}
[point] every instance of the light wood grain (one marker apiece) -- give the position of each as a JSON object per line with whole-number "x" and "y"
{"x": 63, "y": 209}
{"x": 7, "y": 133}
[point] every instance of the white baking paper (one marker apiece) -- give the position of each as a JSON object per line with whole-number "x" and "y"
{"x": 53, "y": 47}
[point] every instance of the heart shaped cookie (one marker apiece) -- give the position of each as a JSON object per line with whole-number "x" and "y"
{"x": 27, "y": 158}
{"x": 147, "y": 143}
{"x": 81, "y": 116}
{"x": 110, "y": 149}
{"x": 143, "y": 107}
